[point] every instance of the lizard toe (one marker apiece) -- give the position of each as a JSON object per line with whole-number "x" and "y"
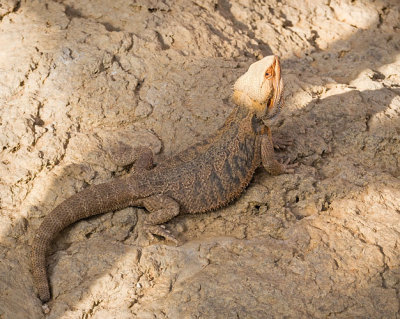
{"x": 288, "y": 168}
{"x": 281, "y": 143}
{"x": 160, "y": 230}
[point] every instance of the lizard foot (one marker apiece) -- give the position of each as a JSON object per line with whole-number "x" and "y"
{"x": 281, "y": 143}
{"x": 287, "y": 168}
{"x": 160, "y": 230}
{"x": 45, "y": 308}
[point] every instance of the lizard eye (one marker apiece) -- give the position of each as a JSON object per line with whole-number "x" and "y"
{"x": 268, "y": 74}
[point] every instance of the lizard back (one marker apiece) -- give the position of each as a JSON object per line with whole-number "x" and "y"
{"x": 212, "y": 173}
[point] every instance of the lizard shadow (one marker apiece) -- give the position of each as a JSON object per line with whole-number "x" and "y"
{"x": 225, "y": 9}
{"x": 106, "y": 241}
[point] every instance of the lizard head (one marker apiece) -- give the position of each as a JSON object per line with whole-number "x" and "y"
{"x": 260, "y": 88}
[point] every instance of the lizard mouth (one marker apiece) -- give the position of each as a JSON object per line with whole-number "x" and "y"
{"x": 273, "y": 110}
{"x": 274, "y": 103}
{"x": 274, "y": 107}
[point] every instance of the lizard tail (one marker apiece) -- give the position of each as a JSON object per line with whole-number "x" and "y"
{"x": 96, "y": 199}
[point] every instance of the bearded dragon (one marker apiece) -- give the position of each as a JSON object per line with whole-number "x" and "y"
{"x": 204, "y": 177}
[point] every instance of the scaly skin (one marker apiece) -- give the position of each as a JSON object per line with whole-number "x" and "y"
{"x": 202, "y": 178}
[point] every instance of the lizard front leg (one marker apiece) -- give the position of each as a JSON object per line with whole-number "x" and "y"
{"x": 269, "y": 161}
{"x": 162, "y": 208}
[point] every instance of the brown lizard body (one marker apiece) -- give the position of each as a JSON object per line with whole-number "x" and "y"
{"x": 202, "y": 178}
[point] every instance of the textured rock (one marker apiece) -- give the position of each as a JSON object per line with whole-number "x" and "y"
{"x": 81, "y": 79}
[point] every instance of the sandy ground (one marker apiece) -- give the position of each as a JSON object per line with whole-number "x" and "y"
{"x": 78, "y": 76}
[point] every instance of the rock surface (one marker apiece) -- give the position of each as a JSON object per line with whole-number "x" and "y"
{"x": 79, "y": 77}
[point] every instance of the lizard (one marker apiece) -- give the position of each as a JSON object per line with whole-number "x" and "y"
{"x": 204, "y": 177}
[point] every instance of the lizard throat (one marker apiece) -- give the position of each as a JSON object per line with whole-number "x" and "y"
{"x": 242, "y": 99}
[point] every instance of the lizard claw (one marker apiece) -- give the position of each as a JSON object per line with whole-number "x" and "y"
{"x": 161, "y": 231}
{"x": 281, "y": 143}
{"x": 286, "y": 167}
{"x": 45, "y": 308}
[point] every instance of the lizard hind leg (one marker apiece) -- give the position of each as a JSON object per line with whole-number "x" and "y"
{"x": 122, "y": 155}
{"x": 144, "y": 159}
{"x": 162, "y": 208}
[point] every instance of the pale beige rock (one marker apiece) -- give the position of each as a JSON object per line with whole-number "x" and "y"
{"x": 80, "y": 78}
